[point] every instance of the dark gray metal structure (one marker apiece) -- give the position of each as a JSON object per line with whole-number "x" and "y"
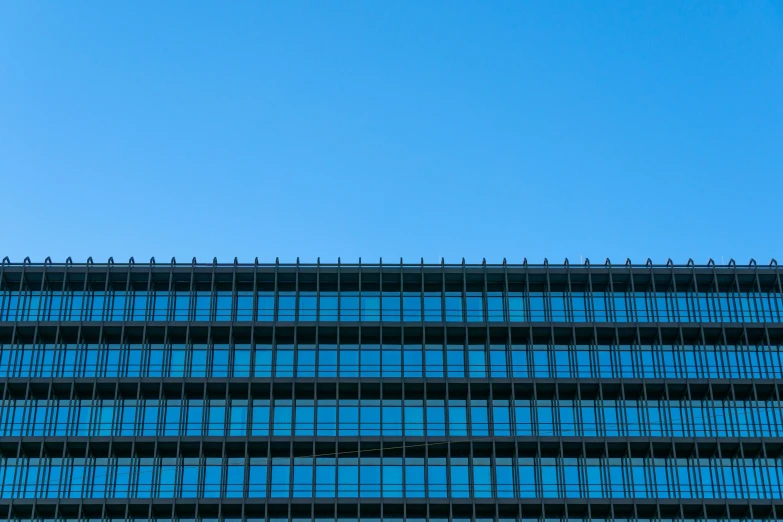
{"x": 394, "y": 391}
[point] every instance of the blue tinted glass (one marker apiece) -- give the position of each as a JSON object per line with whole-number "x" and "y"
{"x": 349, "y": 306}
{"x": 411, "y": 303}
{"x": 224, "y": 304}
{"x": 433, "y": 361}
{"x": 391, "y": 306}
{"x": 454, "y": 306}
{"x": 495, "y": 309}
{"x": 284, "y": 364}
{"x": 286, "y": 306}
{"x": 328, "y": 302}
{"x": 266, "y": 306}
{"x": 371, "y": 306}
{"x": 412, "y": 362}
{"x": 308, "y": 306}
{"x": 263, "y": 363}
{"x": 432, "y": 307}
{"x": 474, "y": 306}
{"x": 244, "y": 306}
{"x": 327, "y": 361}
{"x": 455, "y": 362}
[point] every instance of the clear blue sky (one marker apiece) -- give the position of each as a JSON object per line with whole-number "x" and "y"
{"x": 493, "y": 129}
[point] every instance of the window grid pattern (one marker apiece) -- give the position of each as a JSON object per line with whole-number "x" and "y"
{"x": 388, "y": 477}
{"x": 371, "y": 417}
{"x": 598, "y": 306}
{"x": 473, "y": 360}
{"x": 742, "y": 306}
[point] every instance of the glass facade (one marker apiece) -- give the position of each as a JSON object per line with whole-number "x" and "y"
{"x": 448, "y": 393}
{"x": 369, "y": 477}
{"x": 408, "y": 417}
{"x": 474, "y": 361}
{"x": 500, "y": 306}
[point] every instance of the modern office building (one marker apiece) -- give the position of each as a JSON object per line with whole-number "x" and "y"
{"x": 345, "y": 392}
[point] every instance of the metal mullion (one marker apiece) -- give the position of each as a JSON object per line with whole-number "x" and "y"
{"x": 181, "y": 428}
{"x": 549, "y": 316}
{"x": 339, "y": 311}
{"x": 688, "y": 422}
{"x": 108, "y": 295}
{"x": 537, "y": 456}
{"x": 192, "y": 294}
{"x": 693, "y": 297}
{"x": 754, "y": 303}
{"x": 4, "y": 289}
{"x": 380, "y": 332}
{"x": 729, "y": 417}
{"x": 443, "y": 316}
{"x": 423, "y": 314}
{"x": 226, "y": 429}
{"x": 777, "y": 397}
{"x": 721, "y": 355}
{"x": 130, "y": 298}
{"x": 626, "y": 461}
{"x": 201, "y": 482}
{"x": 21, "y": 301}
{"x": 149, "y": 303}
{"x": 402, "y": 310}
{"x": 758, "y": 414}
{"x": 713, "y": 301}
{"x": 111, "y": 467}
{"x": 595, "y": 362}
{"x": 108, "y": 298}
{"x": 43, "y": 302}
{"x": 171, "y": 296}
{"x": 700, "y": 356}
{"x": 775, "y": 303}
{"x": 358, "y": 348}
{"x": 673, "y": 298}
{"x": 611, "y": 309}
{"x": 733, "y": 300}
{"x": 6, "y": 401}
{"x": 561, "y": 481}
{"x": 246, "y": 460}
{"x": 448, "y": 446}
{"x": 762, "y": 316}
{"x": 103, "y": 353}
{"x": 768, "y": 343}
{"x": 637, "y": 358}
{"x": 160, "y": 421}
{"x": 621, "y": 415}
{"x": 632, "y": 311}
{"x": 313, "y": 452}
{"x": 234, "y": 314}
{"x": 653, "y": 302}
{"x": 741, "y": 446}
{"x": 290, "y": 444}
{"x": 273, "y": 369}
{"x": 487, "y": 339}
{"x": 270, "y": 432}
{"x": 509, "y": 341}
{"x": 402, "y": 350}
{"x": 317, "y": 362}
{"x": 254, "y": 321}
{"x": 465, "y": 345}
{"x": 738, "y": 296}
{"x": 765, "y": 482}
{"x": 213, "y": 294}
{"x": 297, "y": 306}
{"x": 464, "y": 300}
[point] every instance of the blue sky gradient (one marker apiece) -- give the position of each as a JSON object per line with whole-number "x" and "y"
{"x": 393, "y": 129}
